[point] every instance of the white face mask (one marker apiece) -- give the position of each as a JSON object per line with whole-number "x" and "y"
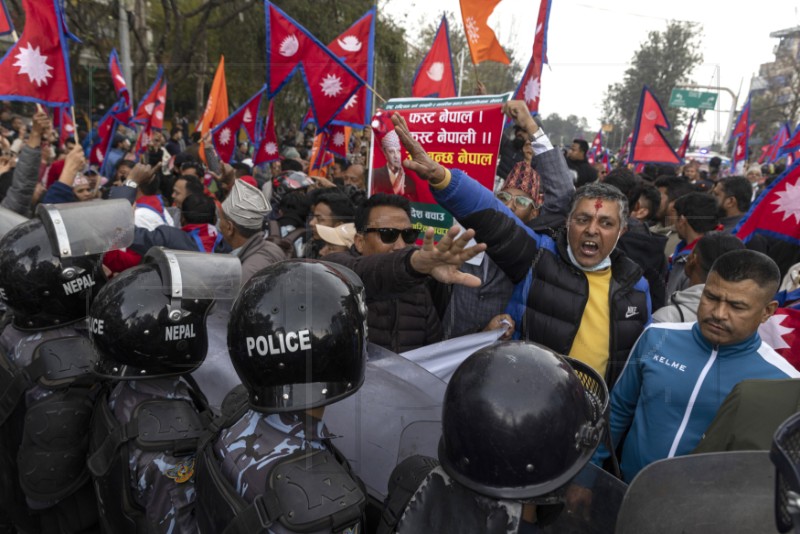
{"x": 605, "y": 263}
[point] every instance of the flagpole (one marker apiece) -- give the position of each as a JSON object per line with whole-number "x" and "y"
{"x": 74, "y": 126}
{"x": 374, "y": 92}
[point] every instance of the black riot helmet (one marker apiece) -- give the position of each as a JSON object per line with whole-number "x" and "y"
{"x": 41, "y": 289}
{"x": 297, "y": 335}
{"x": 150, "y": 321}
{"x": 520, "y": 421}
{"x": 50, "y": 266}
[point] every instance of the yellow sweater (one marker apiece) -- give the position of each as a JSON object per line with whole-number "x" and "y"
{"x": 591, "y": 341}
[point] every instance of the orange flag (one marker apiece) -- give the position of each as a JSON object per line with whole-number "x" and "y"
{"x": 217, "y": 105}
{"x": 483, "y": 44}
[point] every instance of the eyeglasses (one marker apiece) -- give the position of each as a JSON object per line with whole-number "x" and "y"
{"x": 519, "y": 200}
{"x": 390, "y": 235}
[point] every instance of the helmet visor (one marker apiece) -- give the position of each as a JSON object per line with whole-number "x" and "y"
{"x": 83, "y": 228}
{"x": 9, "y": 219}
{"x": 197, "y": 275}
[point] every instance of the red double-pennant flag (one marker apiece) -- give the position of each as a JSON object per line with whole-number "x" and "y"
{"x": 648, "y": 144}
{"x": 329, "y": 82}
{"x": 435, "y": 76}
{"x": 36, "y": 68}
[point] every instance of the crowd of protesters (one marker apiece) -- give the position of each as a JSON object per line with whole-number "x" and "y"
{"x": 579, "y": 261}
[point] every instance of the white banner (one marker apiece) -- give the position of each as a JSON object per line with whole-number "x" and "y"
{"x": 442, "y": 359}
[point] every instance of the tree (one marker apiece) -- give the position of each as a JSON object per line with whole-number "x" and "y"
{"x": 666, "y": 59}
{"x": 562, "y": 131}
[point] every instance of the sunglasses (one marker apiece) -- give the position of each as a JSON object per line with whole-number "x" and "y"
{"x": 519, "y": 200}
{"x": 390, "y": 235}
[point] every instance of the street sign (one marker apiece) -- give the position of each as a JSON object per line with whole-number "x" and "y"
{"x": 687, "y": 98}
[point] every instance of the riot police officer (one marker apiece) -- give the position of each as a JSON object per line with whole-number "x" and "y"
{"x": 297, "y": 339}
{"x": 519, "y": 422}
{"x": 49, "y": 271}
{"x": 148, "y": 326}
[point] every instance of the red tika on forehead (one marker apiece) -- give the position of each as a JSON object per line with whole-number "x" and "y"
{"x": 598, "y": 204}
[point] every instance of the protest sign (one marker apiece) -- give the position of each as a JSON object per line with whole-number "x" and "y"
{"x": 462, "y": 133}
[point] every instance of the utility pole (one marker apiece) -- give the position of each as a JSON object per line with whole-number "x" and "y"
{"x": 125, "y": 42}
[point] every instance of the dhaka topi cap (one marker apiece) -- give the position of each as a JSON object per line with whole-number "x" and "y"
{"x": 246, "y": 205}
{"x": 525, "y": 178}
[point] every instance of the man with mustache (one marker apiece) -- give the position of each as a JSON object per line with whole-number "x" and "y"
{"x": 678, "y": 374}
{"x": 574, "y": 293}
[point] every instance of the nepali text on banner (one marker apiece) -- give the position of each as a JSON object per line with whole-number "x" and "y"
{"x": 462, "y": 133}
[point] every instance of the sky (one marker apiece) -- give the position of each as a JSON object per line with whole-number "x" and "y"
{"x": 591, "y": 42}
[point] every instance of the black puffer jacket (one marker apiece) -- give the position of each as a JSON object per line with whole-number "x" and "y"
{"x": 551, "y": 293}
{"x": 401, "y": 314}
{"x": 647, "y": 250}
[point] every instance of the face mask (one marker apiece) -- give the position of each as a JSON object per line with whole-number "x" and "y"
{"x": 605, "y": 263}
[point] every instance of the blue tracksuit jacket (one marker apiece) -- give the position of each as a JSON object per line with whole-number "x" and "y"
{"x": 672, "y": 387}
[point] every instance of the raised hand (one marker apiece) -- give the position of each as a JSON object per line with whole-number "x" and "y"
{"x": 420, "y": 162}
{"x": 73, "y": 164}
{"x": 40, "y": 129}
{"x": 142, "y": 174}
{"x": 443, "y": 259}
{"x": 518, "y": 111}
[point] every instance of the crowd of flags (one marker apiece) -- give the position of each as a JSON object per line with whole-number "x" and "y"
{"x": 338, "y": 79}
{"x": 339, "y": 83}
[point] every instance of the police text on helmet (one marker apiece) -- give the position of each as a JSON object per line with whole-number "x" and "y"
{"x": 79, "y": 284}
{"x": 96, "y": 325}
{"x": 279, "y": 343}
{"x": 179, "y": 331}
{"x": 3, "y": 294}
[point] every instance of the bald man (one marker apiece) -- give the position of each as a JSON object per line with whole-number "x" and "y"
{"x": 354, "y": 175}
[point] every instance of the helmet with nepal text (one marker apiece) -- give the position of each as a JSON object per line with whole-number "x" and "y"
{"x": 297, "y": 335}
{"x": 41, "y": 289}
{"x": 150, "y": 320}
{"x": 50, "y": 265}
{"x": 519, "y": 421}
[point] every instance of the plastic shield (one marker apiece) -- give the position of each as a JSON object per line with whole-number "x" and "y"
{"x": 83, "y": 228}
{"x": 9, "y": 219}
{"x": 718, "y": 492}
{"x": 197, "y": 275}
{"x": 592, "y": 501}
{"x": 217, "y": 376}
{"x": 397, "y": 395}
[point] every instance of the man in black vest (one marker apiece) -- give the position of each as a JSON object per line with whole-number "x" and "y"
{"x": 575, "y": 293}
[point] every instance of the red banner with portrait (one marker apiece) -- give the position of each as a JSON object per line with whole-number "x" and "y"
{"x": 462, "y": 133}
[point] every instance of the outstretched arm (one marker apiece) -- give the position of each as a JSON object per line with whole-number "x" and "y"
{"x": 511, "y": 243}
{"x": 442, "y": 260}
{"x": 403, "y": 269}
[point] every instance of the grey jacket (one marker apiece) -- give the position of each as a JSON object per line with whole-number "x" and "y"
{"x": 26, "y": 173}
{"x": 258, "y": 253}
{"x": 682, "y": 306}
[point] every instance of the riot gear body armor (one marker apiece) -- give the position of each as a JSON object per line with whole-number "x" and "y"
{"x": 297, "y": 339}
